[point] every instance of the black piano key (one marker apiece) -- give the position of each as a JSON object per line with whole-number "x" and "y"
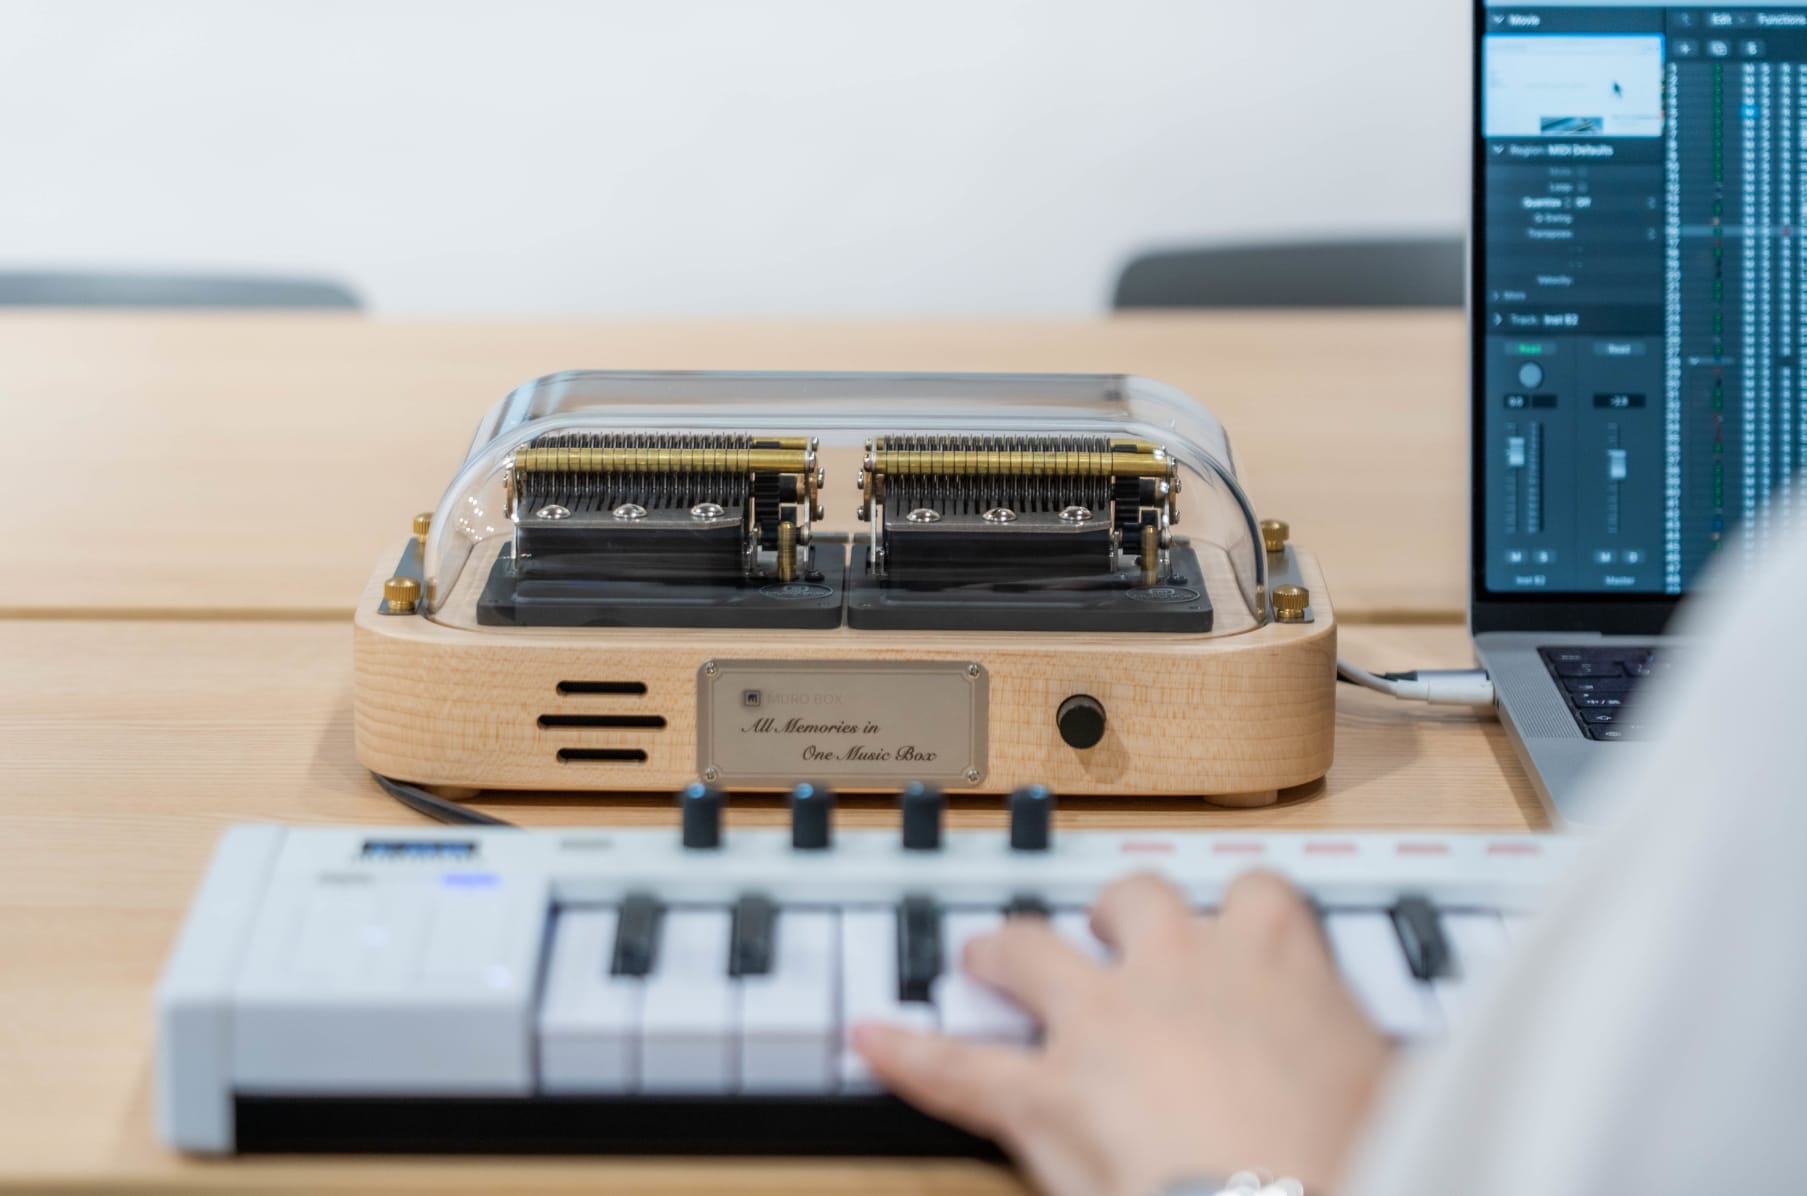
{"x": 755, "y": 929}
{"x": 918, "y": 948}
{"x": 1421, "y": 937}
{"x": 1027, "y": 905}
{"x": 636, "y": 935}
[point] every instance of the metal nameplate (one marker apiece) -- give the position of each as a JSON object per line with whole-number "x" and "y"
{"x": 845, "y": 722}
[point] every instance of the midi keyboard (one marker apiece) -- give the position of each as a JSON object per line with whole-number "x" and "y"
{"x": 657, "y": 992}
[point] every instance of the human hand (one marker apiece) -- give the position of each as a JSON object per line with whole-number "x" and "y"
{"x": 1207, "y": 1046}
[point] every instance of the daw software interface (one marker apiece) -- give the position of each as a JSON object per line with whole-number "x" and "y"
{"x": 1640, "y": 290}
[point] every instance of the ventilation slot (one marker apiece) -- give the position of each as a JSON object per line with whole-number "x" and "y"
{"x": 601, "y": 756}
{"x": 635, "y": 688}
{"x": 616, "y": 721}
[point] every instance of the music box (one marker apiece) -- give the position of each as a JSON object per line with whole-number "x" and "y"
{"x": 638, "y": 580}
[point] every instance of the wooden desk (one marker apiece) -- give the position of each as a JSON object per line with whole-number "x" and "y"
{"x": 243, "y": 471}
{"x": 262, "y": 463}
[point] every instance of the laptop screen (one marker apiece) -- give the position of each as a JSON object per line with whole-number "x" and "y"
{"x": 1640, "y": 288}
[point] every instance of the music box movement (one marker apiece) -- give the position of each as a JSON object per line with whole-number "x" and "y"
{"x": 637, "y": 580}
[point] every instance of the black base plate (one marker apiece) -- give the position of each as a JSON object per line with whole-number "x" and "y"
{"x": 841, "y": 1126}
{"x": 812, "y": 601}
{"x": 1117, "y": 603}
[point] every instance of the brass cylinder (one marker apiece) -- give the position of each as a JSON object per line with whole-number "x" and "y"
{"x": 1274, "y": 534}
{"x": 787, "y": 551}
{"x": 1145, "y": 461}
{"x": 1290, "y": 602}
{"x": 661, "y": 460}
{"x": 1151, "y": 555}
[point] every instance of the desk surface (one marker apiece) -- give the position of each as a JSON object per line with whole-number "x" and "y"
{"x": 264, "y": 462}
{"x": 192, "y": 452}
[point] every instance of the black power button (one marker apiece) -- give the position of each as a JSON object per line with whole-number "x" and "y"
{"x": 1081, "y": 721}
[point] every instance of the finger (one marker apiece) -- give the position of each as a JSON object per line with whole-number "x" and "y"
{"x": 1032, "y": 964}
{"x": 1140, "y": 911}
{"x": 1264, "y": 911}
{"x": 975, "y": 1085}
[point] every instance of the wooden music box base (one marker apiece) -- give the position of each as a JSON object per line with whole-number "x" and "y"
{"x": 1231, "y": 718}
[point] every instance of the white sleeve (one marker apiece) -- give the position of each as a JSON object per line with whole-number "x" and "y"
{"x": 1650, "y": 1035}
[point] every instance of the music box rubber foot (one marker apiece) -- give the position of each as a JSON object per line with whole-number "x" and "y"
{"x": 1244, "y": 801}
{"x": 452, "y": 792}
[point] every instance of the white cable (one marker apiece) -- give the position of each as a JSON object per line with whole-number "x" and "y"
{"x": 1439, "y": 687}
{"x": 1365, "y": 679}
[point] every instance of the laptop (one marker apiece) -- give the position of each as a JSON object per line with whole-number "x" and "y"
{"x": 1637, "y": 306}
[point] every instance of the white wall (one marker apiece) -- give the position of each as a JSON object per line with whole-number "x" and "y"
{"x": 713, "y": 156}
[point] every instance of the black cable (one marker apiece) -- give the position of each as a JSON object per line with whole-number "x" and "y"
{"x": 436, "y": 808}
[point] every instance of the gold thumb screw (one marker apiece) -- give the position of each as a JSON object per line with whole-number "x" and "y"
{"x": 1290, "y": 603}
{"x": 423, "y": 523}
{"x": 1274, "y": 534}
{"x": 402, "y": 594}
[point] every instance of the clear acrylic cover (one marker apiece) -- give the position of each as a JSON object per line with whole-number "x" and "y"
{"x": 926, "y": 501}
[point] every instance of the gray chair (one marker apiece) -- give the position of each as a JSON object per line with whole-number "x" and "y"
{"x": 1423, "y": 272}
{"x": 77, "y": 288}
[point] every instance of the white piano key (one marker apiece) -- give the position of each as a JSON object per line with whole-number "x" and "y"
{"x": 869, "y": 987}
{"x": 1368, "y": 951}
{"x": 790, "y": 1032}
{"x": 970, "y": 1008}
{"x": 589, "y": 1021}
{"x": 688, "y": 1022}
{"x": 1477, "y": 941}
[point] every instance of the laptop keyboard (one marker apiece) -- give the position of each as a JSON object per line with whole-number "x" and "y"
{"x": 1599, "y": 683}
